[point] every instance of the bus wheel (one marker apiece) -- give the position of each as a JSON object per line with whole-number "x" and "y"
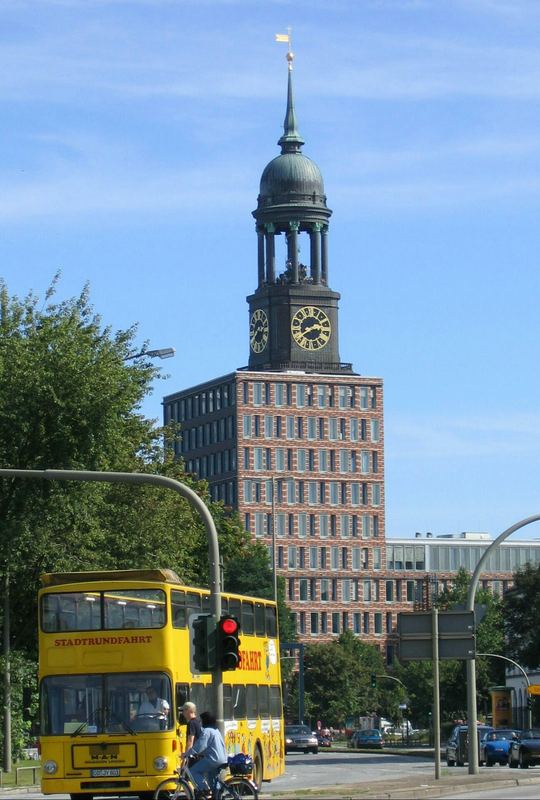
{"x": 257, "y": 767}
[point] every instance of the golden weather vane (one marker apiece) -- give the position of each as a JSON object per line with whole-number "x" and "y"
{"x": 287, "y": 38}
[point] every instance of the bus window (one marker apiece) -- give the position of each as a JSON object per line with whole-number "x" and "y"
{"x": 206, "y": 603}
{"x": 275, "y": 702}
{"x": 264, "y": 702}
{"x": 198, "y": 694}
{"x": 239, "y": 702}
{"x": 248, "y": 617}
{"x": 251, "y": 701}
{"x": 260, "y": 623}
{"x": 271, "y": 621}
{"x": 224, "y": 605}
{"x": 193, "y": 602}
{"x": 235, "y": 609}
{"x": 71, "y": 611}
{"x": 182, "y": 693}
{"x": 134, "y": 608}
{"x": 228, "y": 696}
{"x": 178, "y": 606}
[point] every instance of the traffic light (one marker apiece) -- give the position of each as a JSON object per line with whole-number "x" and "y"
{"x": 373, "y": 681}
{"x": 228, "y": 642}
{"x": 204, "y": 643}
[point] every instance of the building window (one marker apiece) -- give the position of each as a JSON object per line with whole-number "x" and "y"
{"x": 374, "y": 430}
{"x": 357, "y": 622}
{"x": 291, "y": 557}
{"x": 313, "y": 558}
{"x": 279, "y": 394}
{"x": 260, "y": 524}
{"x": 303, "y": 585}
{"x": 346, "y": 590}
{"x": 301, "y": 460}
{"x": 345, "y": 525}
{"x": 324, "y": 526}
{"x": 300, "y": 395}
{"x": 389, "y": 591}
{"x": 376, "y": 558}
{"x": 332, "y": 428}
{"x": 312, "y": 493}
{"x": 376, "y": 494}
{"x": 268, "y": 426}
{"x": 247, "y": 426}
{"x": 377, "y": 622}
{"x": 325, "y": 595}
{"x": 311, "y": 428}
{"x": 334, "y": 558}
{"x": 364, "y": 462}
{"x": 366, "y": 591}
{"x": 302, "y": 525}
{"x": 290, "y": 427}
{"x": 321, "y": 395}
{"x": 258, "y": 389}
{"x": 314, "y": 623}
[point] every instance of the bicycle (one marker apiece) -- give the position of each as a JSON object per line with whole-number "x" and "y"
{"x": 233, "y": 787}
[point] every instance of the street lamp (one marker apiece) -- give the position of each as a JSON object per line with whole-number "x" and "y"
{"x": 163, "y": 352}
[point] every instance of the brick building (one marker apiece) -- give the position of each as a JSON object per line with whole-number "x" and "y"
{"x": 295, "y": 440}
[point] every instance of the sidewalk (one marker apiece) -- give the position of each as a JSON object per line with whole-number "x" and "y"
{"x": 411, "y": 788}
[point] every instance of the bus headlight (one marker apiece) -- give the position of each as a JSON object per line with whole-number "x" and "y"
{"x": 160, "y": 763}
{"x": 50, "y": 767}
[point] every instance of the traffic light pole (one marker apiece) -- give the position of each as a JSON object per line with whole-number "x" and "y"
{"x": 192, "y": 498}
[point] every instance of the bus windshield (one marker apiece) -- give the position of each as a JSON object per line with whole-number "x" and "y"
{"x": 113, "y": 703}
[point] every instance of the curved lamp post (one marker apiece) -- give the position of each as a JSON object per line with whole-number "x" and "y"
{"x": 471, "y": 664}
{"x": 121, "y": 477}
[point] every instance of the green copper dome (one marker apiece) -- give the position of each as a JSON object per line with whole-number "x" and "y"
{"x": 291, "y": 178}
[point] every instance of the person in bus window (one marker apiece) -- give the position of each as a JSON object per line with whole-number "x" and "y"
{"x": 189, "y": 712}
{"x": 153, "y": 706}
{"x": 210, "y": 748}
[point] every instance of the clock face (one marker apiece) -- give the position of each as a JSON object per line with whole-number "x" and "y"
{"x": 311, "y": 328}
{"x": 258, "y": 330}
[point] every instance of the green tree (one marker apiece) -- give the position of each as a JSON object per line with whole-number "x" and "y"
{"x": 521, "y": 613}
{"x": 70, "y": 398}
{"x": 417, "y": 676}
{"x": 337, "y": 680}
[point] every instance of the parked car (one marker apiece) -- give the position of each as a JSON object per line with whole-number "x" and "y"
{"x": 457, "y": 746}
{"x": 324, "y": 741}
{"x": 370, "y": 737}
{"x": 299, "y": 738}
{"x": 495, "y": 746}
{"x": 525, "y": 750}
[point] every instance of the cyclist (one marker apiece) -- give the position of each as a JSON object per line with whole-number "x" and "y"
{"x": 210, "y": 748}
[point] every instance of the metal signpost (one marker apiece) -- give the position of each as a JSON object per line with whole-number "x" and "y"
{"x": 431, "y": 636}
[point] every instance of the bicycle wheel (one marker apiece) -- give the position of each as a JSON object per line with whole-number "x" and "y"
{"x": 173, "y": 789}
{"x": 235, "y": 788}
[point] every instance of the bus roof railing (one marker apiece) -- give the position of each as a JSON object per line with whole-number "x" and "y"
{"x": 59, "y": 578}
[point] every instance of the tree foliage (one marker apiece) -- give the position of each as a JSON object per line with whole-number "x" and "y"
{"x": 521, "y": 615}
{"x": 70, "y": 398}
{"x": 337, "y": 680}
{"x": 418, "y": 676}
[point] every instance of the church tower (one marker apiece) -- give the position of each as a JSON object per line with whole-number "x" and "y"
{"x": 293, "y": 313}
{"x": 294, "y": 441}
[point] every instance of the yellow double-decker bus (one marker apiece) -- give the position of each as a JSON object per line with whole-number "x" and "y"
{"x": 116, "y": 667}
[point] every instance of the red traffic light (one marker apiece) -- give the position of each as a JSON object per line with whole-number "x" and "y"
{"x": 229, "y": 626}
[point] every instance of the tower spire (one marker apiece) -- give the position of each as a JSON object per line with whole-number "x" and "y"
{"x": 291, "y": 141}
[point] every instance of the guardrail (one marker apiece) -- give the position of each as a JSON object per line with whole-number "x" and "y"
{"x": 18, "y": 770}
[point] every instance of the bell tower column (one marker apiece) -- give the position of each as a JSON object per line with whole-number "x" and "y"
{"x": 270, "y": 253}
{"x": 315, "y": 255}
{"x": 324, "y": 255}
{"x": 292, "y": 249}
{"x": 260, "y": 256}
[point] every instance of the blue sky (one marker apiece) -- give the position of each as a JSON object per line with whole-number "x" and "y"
{"x": 134, "y": 134}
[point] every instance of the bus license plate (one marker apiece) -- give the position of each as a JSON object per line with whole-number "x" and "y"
{"x": 104, "y": 773}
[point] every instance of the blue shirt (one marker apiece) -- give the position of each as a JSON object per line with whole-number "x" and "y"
{"x": 210, "y": 744}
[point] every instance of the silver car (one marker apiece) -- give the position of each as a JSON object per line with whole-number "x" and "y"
{"x": 299, "y": 738}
